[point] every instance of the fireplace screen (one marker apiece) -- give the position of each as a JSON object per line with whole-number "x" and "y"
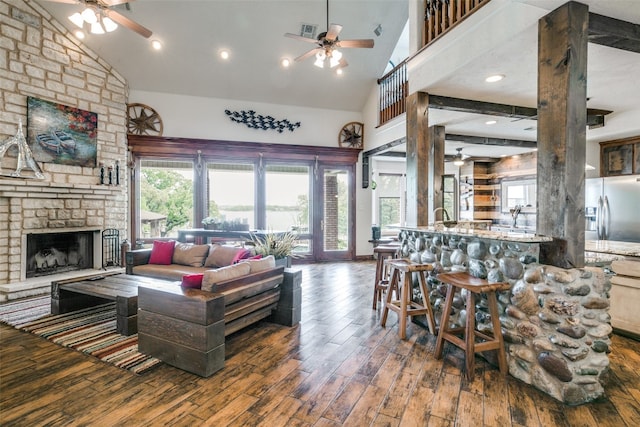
{"x": 53, "y": 253}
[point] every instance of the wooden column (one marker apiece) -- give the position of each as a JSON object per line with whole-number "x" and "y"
{"x": 417, "y": 159}
{"x": 562, "y": 120}
{"x": 435, "y": 145}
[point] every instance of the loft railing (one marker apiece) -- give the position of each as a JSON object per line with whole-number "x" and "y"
{"x": 393, "y": 89}
{"x": 442, "y": 15}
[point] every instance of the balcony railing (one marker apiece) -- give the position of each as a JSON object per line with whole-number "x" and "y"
{"x": 442, "y": 15}
{"x": 393, "y": 89}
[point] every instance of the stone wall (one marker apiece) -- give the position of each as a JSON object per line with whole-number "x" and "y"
{"x": 40, "y": 58}
{"x": 555, "y": 322}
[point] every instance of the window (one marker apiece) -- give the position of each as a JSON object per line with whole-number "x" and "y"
{"x": 287, "y": 198}
{"x": 260, "y": 186}
{"x": 449, "y": 195}
{"x": 166, "y": 198}
{"x": 389, "y": 211}
{"x": 231, "y": 195}
{"x": 390, "y": 192}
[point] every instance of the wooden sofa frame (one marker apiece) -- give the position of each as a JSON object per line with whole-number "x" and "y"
{"x": 186, "y": 328}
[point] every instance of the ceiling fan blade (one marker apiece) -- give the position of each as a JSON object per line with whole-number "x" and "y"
{"x": 368, "y": 43}
{"x": 332, "y": 33}
{"x": 126, "y": 22}
{"x": 110, "y": 3}
{"x": 308, "y": 54}
{"x": 64, "y": 1}
{"x": 297, "y": 37}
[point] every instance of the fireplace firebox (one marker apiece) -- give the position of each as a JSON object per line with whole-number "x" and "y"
{"x": 53, "y": 253}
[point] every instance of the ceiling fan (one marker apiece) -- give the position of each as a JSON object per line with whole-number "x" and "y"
{"x": 101, "y": 18}
{"x": 327, "y": 43}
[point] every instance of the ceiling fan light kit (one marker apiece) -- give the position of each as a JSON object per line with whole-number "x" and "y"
{"x": 98, "y": 21}
{"x": 101, "y": 19}
{"x": 327, "y": 46}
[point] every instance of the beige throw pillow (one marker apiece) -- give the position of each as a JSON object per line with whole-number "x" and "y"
{"x": 190, "y": 254}
{"x": 212, "y": 277}
{"x": 221, "y": 256}
{"x": 266, "y": 263}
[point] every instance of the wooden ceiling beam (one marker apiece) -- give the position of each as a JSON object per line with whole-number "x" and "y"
{"x": 595, "y": 117}
{"x": 611, "y": 32}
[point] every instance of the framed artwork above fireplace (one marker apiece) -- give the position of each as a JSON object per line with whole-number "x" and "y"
{"x": 61, "y": 134}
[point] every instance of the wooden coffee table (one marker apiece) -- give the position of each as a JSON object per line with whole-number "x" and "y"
{"x": 88, "y": 291}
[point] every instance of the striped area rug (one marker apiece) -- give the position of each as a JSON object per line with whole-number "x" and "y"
{"x": 19, "y": 312}
{"x": 91, "y": 331}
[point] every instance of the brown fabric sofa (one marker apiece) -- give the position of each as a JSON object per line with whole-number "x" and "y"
{"x": 187, "y": 259}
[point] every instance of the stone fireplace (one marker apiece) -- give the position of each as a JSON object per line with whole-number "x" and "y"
{"x": 54, "y": 231}
{"x": 51, "y": 64}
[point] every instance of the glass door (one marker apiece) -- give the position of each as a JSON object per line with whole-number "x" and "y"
{"x": 334, "y": 213}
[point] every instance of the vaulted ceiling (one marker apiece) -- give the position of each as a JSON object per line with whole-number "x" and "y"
{"x": 193, "y": 32}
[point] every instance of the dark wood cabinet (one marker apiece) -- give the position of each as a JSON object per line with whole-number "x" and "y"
{"x": 620, "y": 157}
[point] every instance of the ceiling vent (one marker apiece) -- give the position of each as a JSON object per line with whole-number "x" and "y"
{"x": 308, "y": 31}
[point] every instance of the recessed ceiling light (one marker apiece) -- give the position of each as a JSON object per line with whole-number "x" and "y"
{"x": 156, "y": 44}
{"x": 339, "y": 71}
{"x": 490, "y": 122}
{"x": 494, "y": 78}
{"x": 285, "y": 62}
{"x": 79, "y": 34}
{"x": 224, "y": 54}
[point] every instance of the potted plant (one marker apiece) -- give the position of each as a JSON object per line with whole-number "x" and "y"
{"x": 280, "y": 245}
{"x": 211, "y": 223}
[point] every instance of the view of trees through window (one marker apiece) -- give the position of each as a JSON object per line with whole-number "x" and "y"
{"x": 449, "y": 195}
{"x": 166, "y": 198}
{"x": 389, "y": 190}
{"x": 389, "y": 211}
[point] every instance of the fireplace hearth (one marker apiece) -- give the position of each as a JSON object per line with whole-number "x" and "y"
{"x": 53, "y": 253}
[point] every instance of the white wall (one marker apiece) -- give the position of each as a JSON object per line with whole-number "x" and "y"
{"x": 200, "y": 117}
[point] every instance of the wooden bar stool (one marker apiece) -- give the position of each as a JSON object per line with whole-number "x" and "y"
{"x": 381, "y": 283}
{"x": 405, "y": 307}
{"x": 469, "y": 333}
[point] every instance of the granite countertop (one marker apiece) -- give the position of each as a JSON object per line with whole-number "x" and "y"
{"x": 613, "y": 247}
{"x": 483, "y": 234}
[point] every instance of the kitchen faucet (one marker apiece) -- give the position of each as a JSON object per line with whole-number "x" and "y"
{"x": 446, "y": 214}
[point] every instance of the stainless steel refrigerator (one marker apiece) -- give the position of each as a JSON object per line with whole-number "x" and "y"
{"x": 612, "y": 208}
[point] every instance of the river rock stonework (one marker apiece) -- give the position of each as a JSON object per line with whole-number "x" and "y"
{"x": 554, "y": 321}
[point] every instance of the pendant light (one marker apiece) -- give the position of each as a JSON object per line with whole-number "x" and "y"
{"x": 458, "y": 160}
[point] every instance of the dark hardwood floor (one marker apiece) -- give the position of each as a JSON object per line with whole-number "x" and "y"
{"x": 338, "y": 367}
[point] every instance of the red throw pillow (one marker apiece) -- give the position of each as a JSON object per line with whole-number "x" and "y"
{"x": 162, "y": 252}
{"x": 241, "y": 254}
{"x": 192, "y": 281}
{"x": 255, "y": 257}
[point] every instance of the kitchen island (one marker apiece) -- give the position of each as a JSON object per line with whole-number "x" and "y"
{"x": 622, "y": 260}
{"x": 555, "y": 321}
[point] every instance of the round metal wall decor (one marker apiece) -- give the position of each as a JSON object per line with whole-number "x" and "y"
{"x": 143, "y": 120}
{"x": 352, "y": 135}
